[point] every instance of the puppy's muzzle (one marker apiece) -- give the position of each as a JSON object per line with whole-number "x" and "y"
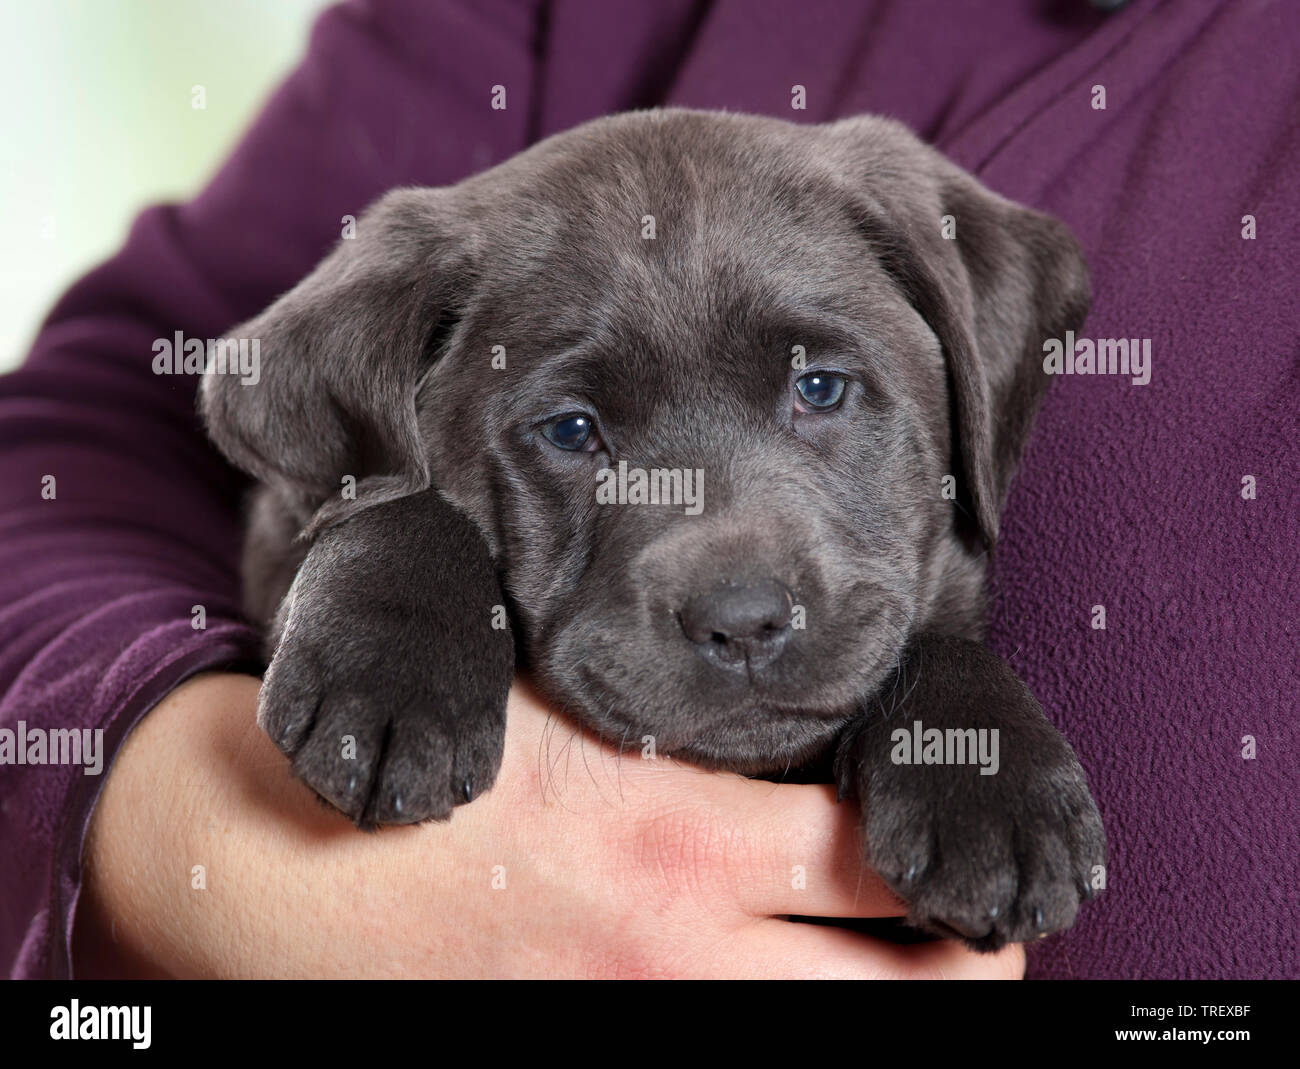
{"x": 740, "y": 626}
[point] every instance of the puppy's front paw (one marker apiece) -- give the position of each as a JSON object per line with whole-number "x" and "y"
{"x": 989, "y": 861}
{"x": 388, "y": 685}
{"x": 987, "y": 858}
{"x": 375, "y": 737}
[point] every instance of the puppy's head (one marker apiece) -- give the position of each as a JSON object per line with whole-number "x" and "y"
{"x": 818, "y": 347}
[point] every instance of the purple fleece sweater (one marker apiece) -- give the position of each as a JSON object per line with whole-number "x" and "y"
{"x": 1134, "y": 498}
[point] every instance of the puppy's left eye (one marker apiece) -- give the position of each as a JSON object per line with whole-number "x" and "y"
{"x": 573, "y": 433}
{"x": 821, "y": 391}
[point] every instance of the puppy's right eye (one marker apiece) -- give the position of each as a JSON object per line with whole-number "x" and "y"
{"x": 573, "y": 433}
{"x": 821, "y": 391}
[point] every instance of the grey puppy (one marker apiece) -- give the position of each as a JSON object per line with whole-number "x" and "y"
{"x": 777, "y": 307}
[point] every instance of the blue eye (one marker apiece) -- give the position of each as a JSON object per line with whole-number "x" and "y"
{"x": 821, "y": 390}
{"x": 570, "y": 432}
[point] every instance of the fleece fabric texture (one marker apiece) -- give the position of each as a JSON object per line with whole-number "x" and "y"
{"x": 1173, "y": 506}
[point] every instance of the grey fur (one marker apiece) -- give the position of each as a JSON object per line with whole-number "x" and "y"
{"x": 768, "y": 236}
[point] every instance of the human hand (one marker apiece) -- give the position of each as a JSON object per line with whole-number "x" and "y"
{"x": 604, "y": 866}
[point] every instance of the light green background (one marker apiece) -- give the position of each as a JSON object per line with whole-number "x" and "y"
{"x": 96, "y": 123}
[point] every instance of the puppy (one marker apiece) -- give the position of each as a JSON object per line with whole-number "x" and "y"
{"x": 830, "y": 335}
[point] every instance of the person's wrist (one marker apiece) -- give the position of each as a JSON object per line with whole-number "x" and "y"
{"x": 149, "y": 783}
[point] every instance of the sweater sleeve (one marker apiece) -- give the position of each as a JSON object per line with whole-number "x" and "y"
{"x": 119, "y": 524}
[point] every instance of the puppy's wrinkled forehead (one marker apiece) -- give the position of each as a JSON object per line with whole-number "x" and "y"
{"x": 650, "y": 264}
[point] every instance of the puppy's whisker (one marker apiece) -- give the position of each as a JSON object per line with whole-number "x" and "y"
{"x": 554, "y": 721}
{"x": 582, "y": 749}
{"x": 618, "y": 761}
{"x": 544, "y": 745}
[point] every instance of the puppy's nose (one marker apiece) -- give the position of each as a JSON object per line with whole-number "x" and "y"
{"x": 740, "y": 624}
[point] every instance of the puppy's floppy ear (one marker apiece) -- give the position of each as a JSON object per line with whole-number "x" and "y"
{"x": 1008, "y": 279}
{"x": 342, "y": 355}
